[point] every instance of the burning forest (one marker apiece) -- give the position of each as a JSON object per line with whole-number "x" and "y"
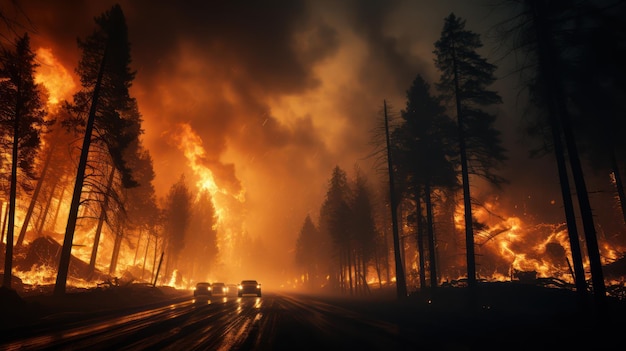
{"x": 209, "y": 150}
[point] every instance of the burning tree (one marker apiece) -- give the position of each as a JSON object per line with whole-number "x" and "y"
{"x": 21, "y": 122}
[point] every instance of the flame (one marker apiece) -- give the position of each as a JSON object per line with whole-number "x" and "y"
{"x": 223, "y": 200}
{"x": 54, "y": 76}
{"x": 521, "y": 245}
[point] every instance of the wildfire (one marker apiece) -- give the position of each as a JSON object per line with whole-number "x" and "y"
{"x": 223, "y": 199}
{"x": 507, "y": 244}
{"x": 53, "y": 75}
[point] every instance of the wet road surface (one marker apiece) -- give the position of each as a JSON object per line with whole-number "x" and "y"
{"x": 502, "y": 320}
{"x": 273, "y": 322}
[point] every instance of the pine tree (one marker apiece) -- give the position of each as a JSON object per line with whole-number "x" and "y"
{"x": 100, "y": 107}
{"x": 21, "y": 121}
{"x": 307, "y": 254}
{"x": 465, "y": 76}
{"x": 363, "y": 228}
{"x": 426, "y": 147}
{"x": 178, "y": 211}
{"x": 334, "y": 224}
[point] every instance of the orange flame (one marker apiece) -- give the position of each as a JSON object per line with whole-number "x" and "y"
{"x": 191, "y": 145}
{"x": 54, "y": 76}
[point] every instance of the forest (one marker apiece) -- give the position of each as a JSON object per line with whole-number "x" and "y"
{"x": 444, "y": 144}
{"x": 79, "y": 205}
{"x": 85, "y": 160}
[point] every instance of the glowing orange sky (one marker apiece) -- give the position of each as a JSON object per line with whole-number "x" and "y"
{"x": 276, "y": 96}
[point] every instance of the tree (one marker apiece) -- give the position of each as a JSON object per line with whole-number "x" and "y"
{"x": 201, "y": 246}
{"x": 575, "y": 85}
{"x": 363, "y": 228}
{"x": 335, "y": 225}
{"x": 178, "y": 210}
{"x": 465, "y": 76}
{"x": 393, "y": 206}
{"x": 22, "y": 120}
{"x": 425, "y": 156}
{"x": 106, "y": 79}
{"x": 551, "y": 83}
{"x": 307, "y": 254}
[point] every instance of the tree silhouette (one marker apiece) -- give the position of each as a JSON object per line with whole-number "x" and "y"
{"x": 465, "y": 76}
{"x": 21, "y": 120}
{"x": 105, "y": 78}
{"x": 364, "y": 231}
{"x": 178, "y": 211}
{"x": 334, "y": 223}
{"x": 307, "y": 255}
{"x": 425, "y": 157}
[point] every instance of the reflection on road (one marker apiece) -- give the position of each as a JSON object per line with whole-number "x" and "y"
{"x": 222, "y": 323}
{"x": 215, "y": 323}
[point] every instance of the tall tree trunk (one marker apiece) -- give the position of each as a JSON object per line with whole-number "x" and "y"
{"x": 154, "y": 259}
{"x": 393, "y": 203}
{"x": 4, "y": 220}
{"x": 432, "y": 255}
{"x": 548, "y": 67}
{"x": 8, "y": 259}
{"x": 56, "y": 212}
{"x": 420, "y": 239}
{"x": 119, "y": 234}
{"x": 33, "y": 199}
{"x": 145, "y": 256}
{"x": 591, "y": 239}
{"x": 137, "y": 248}
{"x": 103, "y": 211}
{"x": 66, "y": 251}
{"x": 467, "y": 199}
{"x": 44, "y": 214}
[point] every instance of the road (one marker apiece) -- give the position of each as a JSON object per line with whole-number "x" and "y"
{"x": 273, "y": 322}
{"x": 290, "y": 321}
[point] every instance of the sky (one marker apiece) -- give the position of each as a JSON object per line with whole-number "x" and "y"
{"x": 260, "y": 100}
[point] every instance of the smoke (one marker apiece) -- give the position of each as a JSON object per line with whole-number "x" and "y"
{"x": 276, "y": 93}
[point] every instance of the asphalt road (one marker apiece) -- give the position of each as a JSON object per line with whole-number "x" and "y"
{"x": 286, "y": 321}
{"x": 273, "y": 322}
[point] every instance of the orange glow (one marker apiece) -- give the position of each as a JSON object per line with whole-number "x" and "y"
{"x": 522, "y": 246}
{"x": 191, "y": 145}
{"x": 54, "y": 76}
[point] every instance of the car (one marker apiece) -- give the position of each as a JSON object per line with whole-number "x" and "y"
{"x": 202, "y": 289}
{"x": 249, "y": 287}
{"x": 232, "y": 289}
{"x": 218, "y": 289}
